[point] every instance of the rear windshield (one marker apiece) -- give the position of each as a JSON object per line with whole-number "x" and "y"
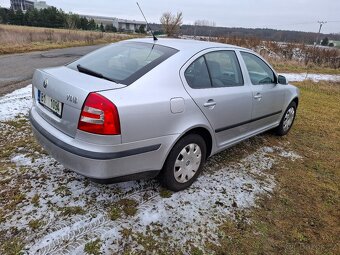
{"x": 124, "y": 62}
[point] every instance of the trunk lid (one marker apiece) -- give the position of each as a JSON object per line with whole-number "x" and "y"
{"x": 70, "y": 88}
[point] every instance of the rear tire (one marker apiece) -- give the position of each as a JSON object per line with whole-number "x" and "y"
{"x": 287, "y": 120}
{"x": 184, "y": 163}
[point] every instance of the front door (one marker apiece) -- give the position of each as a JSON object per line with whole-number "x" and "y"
{"x": 268, "y": 96}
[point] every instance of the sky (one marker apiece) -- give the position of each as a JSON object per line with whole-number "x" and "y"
{"x": 299, "y": 15}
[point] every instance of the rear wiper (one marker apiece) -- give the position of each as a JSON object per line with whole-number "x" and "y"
{"x": 94, "y": 73}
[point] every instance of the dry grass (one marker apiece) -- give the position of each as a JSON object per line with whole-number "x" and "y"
{"x": 293, "y": 66}
{"x": 18, "y": 39}
{"x": 292, "y": 57}
{"x": 302, "y": 217}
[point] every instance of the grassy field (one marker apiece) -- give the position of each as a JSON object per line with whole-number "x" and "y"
{"x": 291, "y": 57}
{"x": 283, "y": 66}
{"x": 303, "y": 215}
{"x": 18, "y": 39}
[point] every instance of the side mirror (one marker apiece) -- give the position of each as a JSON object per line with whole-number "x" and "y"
{"x": 282, "y": 80}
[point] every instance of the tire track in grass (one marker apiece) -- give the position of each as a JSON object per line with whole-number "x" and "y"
{"x": 201, "y": 207}
{"x": 182, "y": 218}
{"x": 87, "y": 228}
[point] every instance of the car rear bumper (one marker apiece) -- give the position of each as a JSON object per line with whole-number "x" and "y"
{"x": 102, "y": 161}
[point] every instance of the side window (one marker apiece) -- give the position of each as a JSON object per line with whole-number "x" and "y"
{"x": 224, "y": 69}
{"x": 197, "y": 74}
{"x": 259, "y": 72}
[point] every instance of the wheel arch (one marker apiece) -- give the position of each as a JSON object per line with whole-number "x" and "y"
{"x": 296, "y": 100}
{"x": 205, "y": 134}
{"x": 199, "y": 130}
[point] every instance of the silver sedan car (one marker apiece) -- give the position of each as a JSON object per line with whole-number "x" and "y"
{"x": 143, "y": 108}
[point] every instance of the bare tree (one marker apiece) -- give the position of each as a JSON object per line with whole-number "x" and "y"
{"x": 171, "y": 23}
{"x": 205, "y": 23}
{"x": 71, "y": 21}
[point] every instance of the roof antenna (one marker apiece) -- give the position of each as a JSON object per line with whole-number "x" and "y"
{"x": 153, "y": 35}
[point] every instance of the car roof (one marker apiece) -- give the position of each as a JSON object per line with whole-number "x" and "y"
{"x": 186, "y": 44}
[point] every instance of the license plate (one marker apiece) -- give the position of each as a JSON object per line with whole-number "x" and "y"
{"x": 50, "y": 103}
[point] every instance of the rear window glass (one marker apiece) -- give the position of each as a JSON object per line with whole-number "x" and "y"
{"x": 125, "y": 62}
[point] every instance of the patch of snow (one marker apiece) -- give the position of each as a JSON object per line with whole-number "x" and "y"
{"x": 290, "y": 154}
{"x": 215, "y": 196}
{"x": 287, "y": 154}
{"x": 268, "y": 149}
{"x": 16, "y": 103}
{"x": 291, "y": 77}
{"x": 150, "y": 217}
{"x": 21, "y": 160}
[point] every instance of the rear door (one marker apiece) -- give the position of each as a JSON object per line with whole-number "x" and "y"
{"x": 267, "y": 95}
{"x": 214, "y": 80}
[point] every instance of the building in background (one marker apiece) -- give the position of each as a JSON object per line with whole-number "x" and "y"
{"x": 98, "y": 19}
{"x": 40, "y": 5}
{"x": 24, "y": 5}
{"x": 122, "y": 25}
{"x": 127, "y": 25}
{"x": 333, "y": 43}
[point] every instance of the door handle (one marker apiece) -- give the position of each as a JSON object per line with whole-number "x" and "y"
{"x": 258, "y": 96}
{"x": 211, "y": 103}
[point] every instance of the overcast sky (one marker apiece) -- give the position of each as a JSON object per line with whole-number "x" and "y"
{"x": 301, "y": 15}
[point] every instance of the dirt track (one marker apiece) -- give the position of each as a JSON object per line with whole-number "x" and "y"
{"x": 16, "y": 70}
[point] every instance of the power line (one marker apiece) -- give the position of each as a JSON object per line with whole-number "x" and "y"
{"x": 301, "y": 23}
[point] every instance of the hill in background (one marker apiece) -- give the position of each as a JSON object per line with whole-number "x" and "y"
{"x": 262, "y": 33}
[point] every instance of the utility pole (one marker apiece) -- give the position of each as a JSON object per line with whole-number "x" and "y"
{"x": 321, "y": 23}
{"x": 195, "y": 27}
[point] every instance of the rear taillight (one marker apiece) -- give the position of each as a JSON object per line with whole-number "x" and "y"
{"x": 99, "y": 116}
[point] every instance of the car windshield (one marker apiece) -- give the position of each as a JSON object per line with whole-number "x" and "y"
{"x": 123, "y": 62}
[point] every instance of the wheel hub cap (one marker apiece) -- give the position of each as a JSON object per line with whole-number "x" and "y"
{"x": 187, "y": 163}
{"x": 288, "y": 119}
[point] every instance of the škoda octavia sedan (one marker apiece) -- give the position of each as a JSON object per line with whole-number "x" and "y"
{"x": 143, "y": 108}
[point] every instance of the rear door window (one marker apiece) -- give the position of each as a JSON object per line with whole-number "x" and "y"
{"x": 215, "y": 69}
{"x": 224, "y": 69}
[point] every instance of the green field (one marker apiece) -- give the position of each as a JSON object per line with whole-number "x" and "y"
{"x": 300, "y": 216}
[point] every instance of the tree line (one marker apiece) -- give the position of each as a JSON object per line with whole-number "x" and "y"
{"x": 53, "y": 18}
{"x": 267, "y": 34}
{"x": 57, "y": 18}
{"x": 50, "y": 17}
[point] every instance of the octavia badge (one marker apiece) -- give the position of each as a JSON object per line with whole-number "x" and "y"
{"x": 72, "y": 99}
{"x": 45, "y": 83}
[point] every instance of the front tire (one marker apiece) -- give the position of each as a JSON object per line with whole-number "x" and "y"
{"x": 184, "y": 163}
{"x": 287, "y": 120}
